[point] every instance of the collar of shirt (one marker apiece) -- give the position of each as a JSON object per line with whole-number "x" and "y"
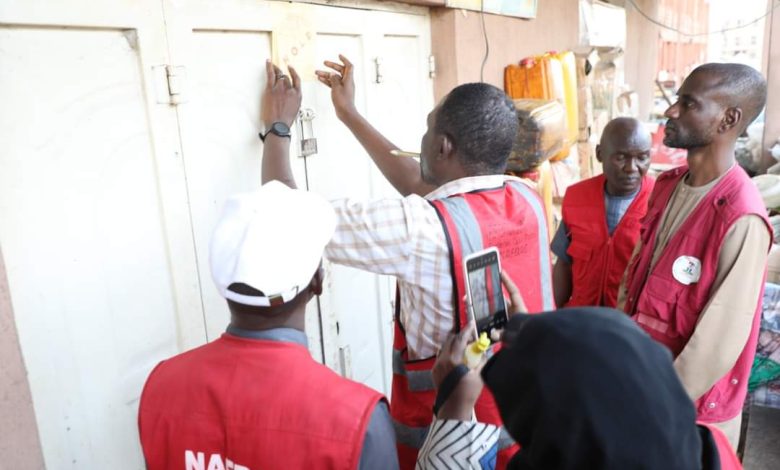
{"x": 289, "y": 335}
{"x": 470, "y": 183}
{"x": 704, "y": 188}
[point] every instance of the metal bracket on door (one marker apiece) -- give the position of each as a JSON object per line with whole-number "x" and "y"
{"x": 378, "y": 69}
{"x": 308, "y": 141}
{"x": 170, "y": 84}
{"x": 345, "y": 361}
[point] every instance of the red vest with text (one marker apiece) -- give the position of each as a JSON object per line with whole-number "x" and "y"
{"x": 598, "y": 258}
{"x": 512, "y": 219}
{"x": 252, "y": 405}
{"x": 666, "y": 308}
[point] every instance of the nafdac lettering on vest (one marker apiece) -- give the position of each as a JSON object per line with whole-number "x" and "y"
{"x": 197, "y": 461}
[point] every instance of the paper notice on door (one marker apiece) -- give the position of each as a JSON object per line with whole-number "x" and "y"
{"x": 293, "y": 41}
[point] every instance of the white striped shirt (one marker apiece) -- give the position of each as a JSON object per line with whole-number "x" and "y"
{"x": 459, "y": 444}
{"x": 403, "y": 237}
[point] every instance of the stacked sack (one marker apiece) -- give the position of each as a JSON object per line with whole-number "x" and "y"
{"x": 769, "y": 188}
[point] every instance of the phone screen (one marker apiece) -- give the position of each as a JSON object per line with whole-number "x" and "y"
{"x": 486, "y": 296}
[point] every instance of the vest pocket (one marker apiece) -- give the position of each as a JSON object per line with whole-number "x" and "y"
{"x": 660, "y": 310}
{"x": 580, "y": 255}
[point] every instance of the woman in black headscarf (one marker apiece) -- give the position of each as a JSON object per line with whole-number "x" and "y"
{"x": 585, "y": 388}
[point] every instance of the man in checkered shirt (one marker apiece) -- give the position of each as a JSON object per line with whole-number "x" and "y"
{"x": 469, "y": 137}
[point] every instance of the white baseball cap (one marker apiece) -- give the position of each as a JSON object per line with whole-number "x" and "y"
{"x": 271, "y": 240}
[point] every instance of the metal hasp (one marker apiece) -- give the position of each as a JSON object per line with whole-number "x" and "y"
{"x": 378, "y": 70}
{"x": 170, "y": 84}
{"x": 306, "y": 132}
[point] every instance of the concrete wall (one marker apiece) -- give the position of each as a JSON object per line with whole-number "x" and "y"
{"x": 19, "y": 445}
{"x": 459, "y": 45}
{"x": 642, "y": 39}
{"x": 772, "y": 121}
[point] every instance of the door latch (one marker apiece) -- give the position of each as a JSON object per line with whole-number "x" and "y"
{"x": 306, "y": 132}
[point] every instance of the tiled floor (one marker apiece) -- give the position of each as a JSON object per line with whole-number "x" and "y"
{"x": 762, "y": 448}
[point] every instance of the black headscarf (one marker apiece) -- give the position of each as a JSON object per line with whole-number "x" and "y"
{"x": 585, "y": 388}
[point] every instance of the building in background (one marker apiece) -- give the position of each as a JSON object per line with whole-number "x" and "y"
{"x": 738, "y": 33}
{"x": 680, "y": 53}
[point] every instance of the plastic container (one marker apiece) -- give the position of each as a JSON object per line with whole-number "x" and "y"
{"x": 553, "y": 71}
{"x": 542, "y": 133}
{"x": 527, "y": 80}
{"x": 476, "y": 351}
{"x": 571, "y": 97}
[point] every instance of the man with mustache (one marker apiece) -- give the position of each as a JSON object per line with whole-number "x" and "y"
{"x": 696, "y": 280}
{"x": 601, "y": 219}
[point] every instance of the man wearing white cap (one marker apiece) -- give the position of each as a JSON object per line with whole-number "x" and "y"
{"x": 254, "y": 398}
{"x": 457, "y": 201}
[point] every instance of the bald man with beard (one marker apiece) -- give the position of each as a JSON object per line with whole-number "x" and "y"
{"x": 696, "y": 280}
{"x": 601, "y": 219}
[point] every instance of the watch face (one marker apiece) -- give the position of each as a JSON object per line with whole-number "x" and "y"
{"x": 280, "y": 129}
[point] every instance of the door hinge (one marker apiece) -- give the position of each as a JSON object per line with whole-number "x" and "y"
{"x": 431, "y": 66}
{"x": 378, "y": 69}
{"x": 170, "y": 84}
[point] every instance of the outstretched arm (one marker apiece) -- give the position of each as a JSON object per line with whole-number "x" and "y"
{"x": 281, "y": 101}
{"x": 402, "y": 172}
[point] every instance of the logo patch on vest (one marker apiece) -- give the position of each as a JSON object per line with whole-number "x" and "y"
{"x": 687, "y": 269}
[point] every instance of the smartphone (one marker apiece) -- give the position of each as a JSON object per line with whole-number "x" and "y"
{"x": 486, "y": 303}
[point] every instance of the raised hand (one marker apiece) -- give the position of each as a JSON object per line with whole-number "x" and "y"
{"x": 282, "y": 96}
{"x": 339, "y": 78}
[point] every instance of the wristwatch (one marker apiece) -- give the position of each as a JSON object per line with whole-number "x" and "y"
{"x": 279, "y": 128}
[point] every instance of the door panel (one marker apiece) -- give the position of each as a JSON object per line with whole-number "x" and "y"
{"x": 353, "y": 301}
{"x": 93, "y": 283}
{"x": 224, "y": 52}
{"x": 219, "y": 123}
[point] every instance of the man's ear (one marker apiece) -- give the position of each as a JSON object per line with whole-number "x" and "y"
{"x": 598, "y": 153}
{"x": 447, "y": 147}
{"x": 317, "y": 281}
{"x": 731, "y": 118}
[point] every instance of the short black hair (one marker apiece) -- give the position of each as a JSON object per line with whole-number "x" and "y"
{"x": 481, "y": 121}
{"x": 744, "y": 87}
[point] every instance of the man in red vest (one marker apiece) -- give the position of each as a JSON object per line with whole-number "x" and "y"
{"x": 455, "y": 201}
{"x": 601, "y": 219}
{"x": 696, "y": 281}
{"x": 254, "y": 398}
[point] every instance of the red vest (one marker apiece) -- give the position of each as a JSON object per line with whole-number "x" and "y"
{"x": 728, "y": 459}
{"x": 252, "y": 405}
{"x": 667, "y": 309}
{"x": 598, "y": 258}
{"x": 511, "y": 218}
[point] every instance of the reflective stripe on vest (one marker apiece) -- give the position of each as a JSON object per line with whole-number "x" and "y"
{"x": 545, "y": 262}
{"x": 466, "y": 224}
{"x": 510, "y": 217}
{"x": 470, "y": 235}
{"x": 418, "y": 380}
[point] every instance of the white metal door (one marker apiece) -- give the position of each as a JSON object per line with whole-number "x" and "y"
{"x": 223, "y": 49}
{"x": 93, "y": 219}
{"x": 358, "y": 303}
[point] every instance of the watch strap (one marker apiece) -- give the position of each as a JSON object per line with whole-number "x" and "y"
{"x": 272, "y": 130}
